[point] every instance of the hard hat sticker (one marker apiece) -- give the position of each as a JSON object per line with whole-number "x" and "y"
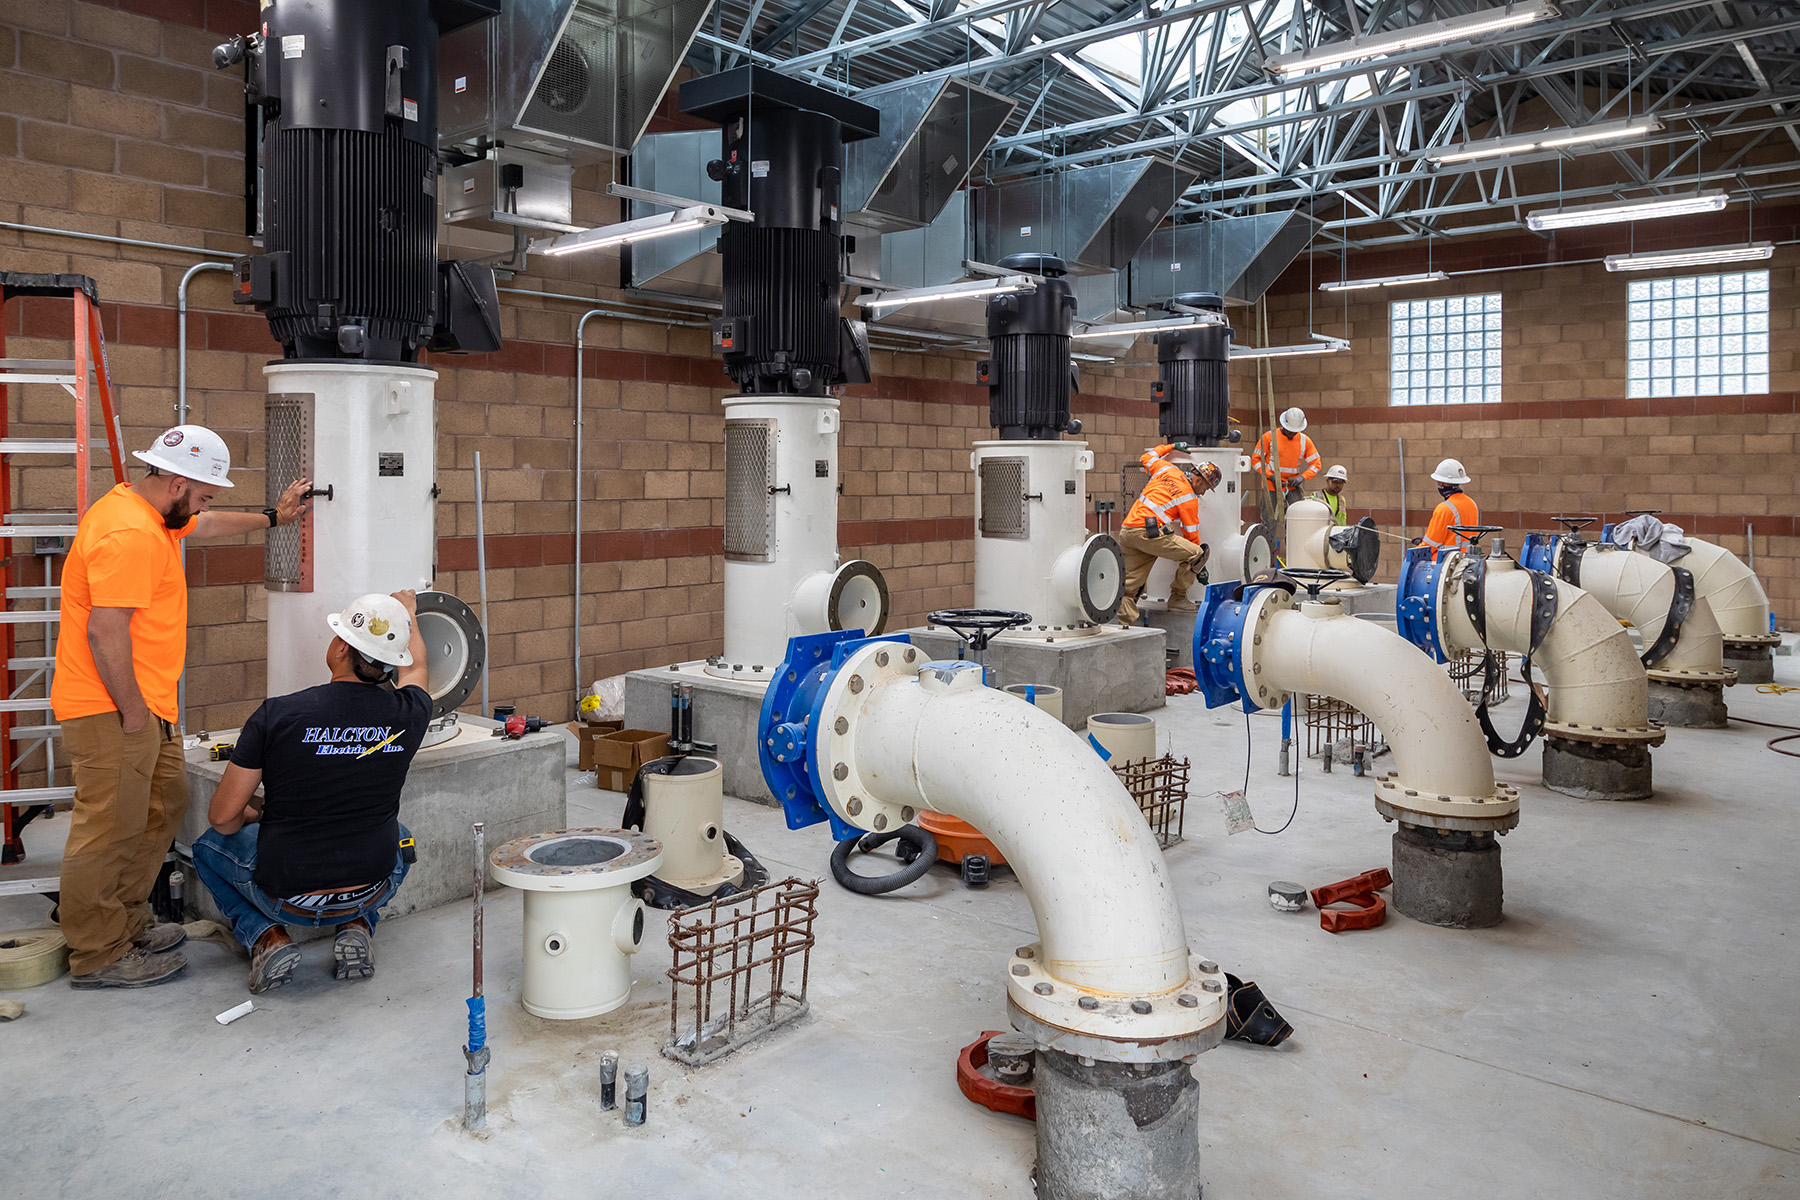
{"x": 172, "y": 438}
{"x": 378, "y": 626}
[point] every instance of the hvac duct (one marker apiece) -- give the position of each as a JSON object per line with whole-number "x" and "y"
{"x": 867, "y": 734}
{"x": 1237, "y": 258}
{"x": 1596, "y": 719}
{"x": 932, "y": 134}
{"x": 1251, "y": 644}
{"x": 567, "y": 78}
{"x": 1093, "y": 218}
{"x": 788, "y": 350}
{"x": 1683, "y": 648}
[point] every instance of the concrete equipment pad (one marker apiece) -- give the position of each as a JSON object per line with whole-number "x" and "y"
{"x": 1118, "y": 670}
{"x": 516, "y": 787}
{"x": 727, "y": 712}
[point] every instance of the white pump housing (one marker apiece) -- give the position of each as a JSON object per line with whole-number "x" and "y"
{"x": 782, "y": 574}
{"x": 1033, "y": 551}
{"x": 367, "y": 432}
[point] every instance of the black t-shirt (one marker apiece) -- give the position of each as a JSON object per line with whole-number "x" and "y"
{"x": 333, "y": 759}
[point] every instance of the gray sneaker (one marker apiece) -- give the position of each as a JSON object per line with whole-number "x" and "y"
{"x": 135, "y": 969}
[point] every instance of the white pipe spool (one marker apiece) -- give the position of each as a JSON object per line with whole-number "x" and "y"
{"x": 1591, "y": 671}
{"x": 1044, "y": 695}
{"x": 1309, "y": 527}
{"x": 1638, "y": 590}
{"x": 367, "y": 431}
{"x": 1443, "y": 777}
{"x": 582, "y": 924}
{"x": 782, "y": 574}
{"x": 684, "y": 809}
{"x": 1112, "y": 978}
{"x": 1033, "y": 551}
{"x": 1125, "y": 737}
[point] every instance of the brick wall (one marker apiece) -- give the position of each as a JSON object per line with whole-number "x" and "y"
{"x": 1565, "y": 437}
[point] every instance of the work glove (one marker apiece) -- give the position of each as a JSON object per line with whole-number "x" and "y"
{"x": 1203, "y": 577}
{"x": 1181, "y": 445}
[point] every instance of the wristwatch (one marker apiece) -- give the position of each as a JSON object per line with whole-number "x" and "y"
{"x": 272, "y": 515}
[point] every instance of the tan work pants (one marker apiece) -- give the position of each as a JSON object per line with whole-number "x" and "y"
{"x": 130, "y": 795}
{"x": 1141, "y": 552}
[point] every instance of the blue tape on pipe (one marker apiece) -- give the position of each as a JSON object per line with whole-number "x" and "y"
{"x": 1031, "y": 693}
{"x": 1102, "y": 751}
{"x": 477, "y": 1022}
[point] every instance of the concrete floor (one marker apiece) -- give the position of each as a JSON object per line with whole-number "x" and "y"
{"x": 1628, "y": 1031}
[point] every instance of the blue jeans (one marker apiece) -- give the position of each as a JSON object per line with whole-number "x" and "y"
{"x": 226, "y": 865}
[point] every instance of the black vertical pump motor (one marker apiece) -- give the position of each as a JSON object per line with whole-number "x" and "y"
{"x": 1029, "y": 374}
{"x": 1193, "y": 389}
{"x": 782, "y": 157}
{"x": 341, "y": 110}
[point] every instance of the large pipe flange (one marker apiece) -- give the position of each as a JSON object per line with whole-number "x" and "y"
{"x": 1176, "y": 1025}
{"x": 1752, "y": 656}
{"x": 1229, "y": 636}
{"x": 1607, "y": 735}
{"x": 1470, "y": 814}
{"x": 842, "y": 708}
{"x": 1693, "y": 677}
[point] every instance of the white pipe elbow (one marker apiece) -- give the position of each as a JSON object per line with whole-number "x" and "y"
{"x": 1591, "y": 670}
{"x": 1438, "y": 747}
{"x": 1739, "y": 603}
{"x": 1639, "y": 590}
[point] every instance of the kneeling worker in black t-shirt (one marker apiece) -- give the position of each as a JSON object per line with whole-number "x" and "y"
{"x": 322, "y": 845}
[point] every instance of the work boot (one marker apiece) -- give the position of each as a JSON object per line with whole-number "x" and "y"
{"x": 272, "y": 960}
{"x": 353, "y": 953}
{"x": 161, "y": 937}
{"x": 1182, "y": 605}
{"x": 136, "y": 968}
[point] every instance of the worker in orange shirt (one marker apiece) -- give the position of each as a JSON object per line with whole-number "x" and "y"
{"x": 1165, "y": 523}
{"x": 1290, "y": 455}
{"x": 1456, "y": 508}
{"x": 118, "y": 661}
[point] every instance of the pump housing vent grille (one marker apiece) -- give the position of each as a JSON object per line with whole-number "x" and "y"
{"x": 750, "y": 490}
{"x": 1003, "y": 512}
{"x": 288, "y": 431}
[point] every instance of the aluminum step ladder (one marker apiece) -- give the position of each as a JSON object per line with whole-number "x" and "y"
{"x": 31, "y": 609}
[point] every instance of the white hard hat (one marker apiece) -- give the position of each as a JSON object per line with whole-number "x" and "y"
{"x": 378, "y": 626}
{"x": 1450, "y": 471}
{"x": 1338, "y": 472}
{"x": 1293, "y": 420}
{"x": 190, "y": 451}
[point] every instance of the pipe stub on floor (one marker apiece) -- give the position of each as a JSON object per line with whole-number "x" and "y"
{"x": 571, "y": 860}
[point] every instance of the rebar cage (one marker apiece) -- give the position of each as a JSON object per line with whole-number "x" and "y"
{"x": 1331, "y": 722}
{"x": 1160, "y": 787}
{"x": 732, "y": 978}
{"x": 1465, "y": 669}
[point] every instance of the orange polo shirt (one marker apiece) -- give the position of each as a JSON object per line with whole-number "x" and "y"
{"x": 123, "y": 557}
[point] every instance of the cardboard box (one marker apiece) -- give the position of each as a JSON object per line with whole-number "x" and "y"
{"x": 618, "y": 756}
{"x": 587, "y": 733}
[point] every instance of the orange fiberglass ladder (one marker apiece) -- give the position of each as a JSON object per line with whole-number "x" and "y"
{"x": 31, "y": 573}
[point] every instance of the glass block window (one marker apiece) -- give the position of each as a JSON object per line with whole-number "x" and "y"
{"x": 1701, "y": 335}
{"x": 1445, "y": 351}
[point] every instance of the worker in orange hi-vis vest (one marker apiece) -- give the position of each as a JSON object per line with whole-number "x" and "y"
{"x": 1291, "y": 454}
{"x": 1165, "y": 523}
{"x": 1456, "y": 508}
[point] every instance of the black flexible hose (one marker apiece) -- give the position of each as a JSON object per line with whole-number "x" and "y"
{"x": 875, "y": 885}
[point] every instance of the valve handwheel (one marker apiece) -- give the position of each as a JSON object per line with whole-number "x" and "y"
{"x": 1314, "y": 579}
{"x": 1574, "y": 524}
{"x": 1474, "y": 533}
{"x": 978, "y": 626}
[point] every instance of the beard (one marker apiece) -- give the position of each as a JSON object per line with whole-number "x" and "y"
{"x": 180, "y": 513}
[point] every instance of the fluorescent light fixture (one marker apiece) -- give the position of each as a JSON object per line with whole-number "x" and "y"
{"x": 1133, "y": 328}
{"x": 1698, "y": 257}
{"x": 954, "y": 291}
{"x": 684, "y": 220}
{"x": 1546, "y": 139}
{"x": 1357, "y": 285}
{"x": 1320, "y": 345}
{"x": 1450, "y": 29}
{"x": 1611, "y": 212}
